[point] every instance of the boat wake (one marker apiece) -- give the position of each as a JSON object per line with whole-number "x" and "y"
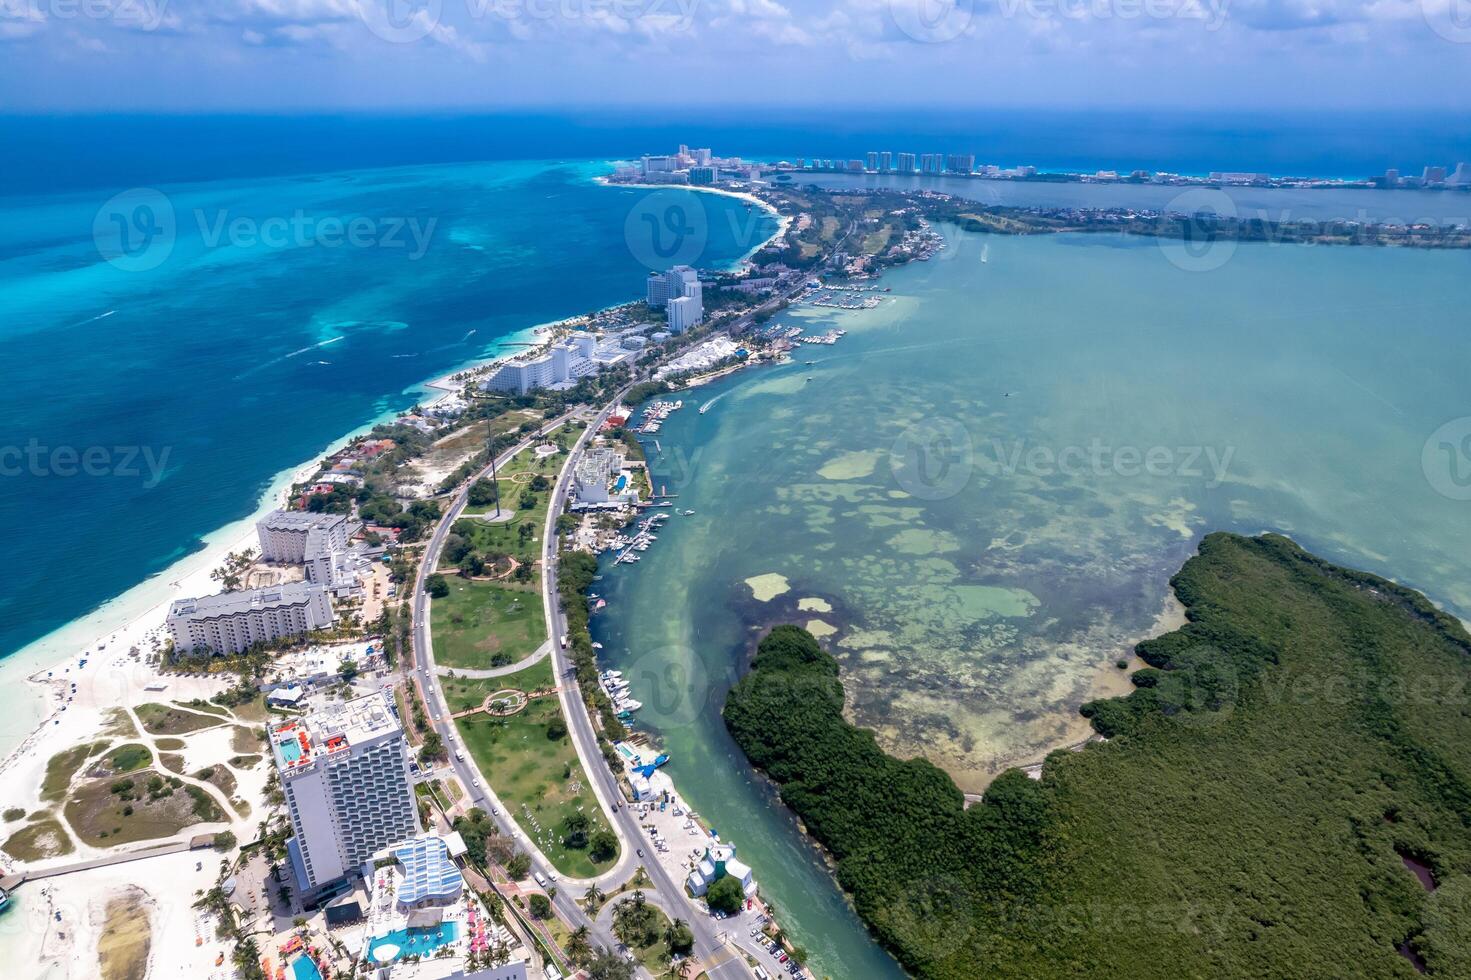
{"x": 711, "y": 403}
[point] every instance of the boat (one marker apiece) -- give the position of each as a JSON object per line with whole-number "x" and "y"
{"x": 629, "y": 704}
{"x": 4, "y": 900}
{"x": 689, "y": 513}
{"x": 986, "y": 252}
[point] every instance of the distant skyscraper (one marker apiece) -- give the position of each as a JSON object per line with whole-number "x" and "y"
{"x": 702, "y": 176}
{"x": 1434, "y": 175}
{"x": 873, "y": 160}
{"x": 906, "y": 163}
{"x": 1462, "y": 176}
{"x": 886, "y": 161}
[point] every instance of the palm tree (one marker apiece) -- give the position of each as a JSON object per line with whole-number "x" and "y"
{"x": 577, "y": 945}
{"x": 593, "y": 898}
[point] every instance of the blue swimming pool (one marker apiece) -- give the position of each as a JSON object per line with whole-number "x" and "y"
{"x": 305, "y": 968}
{"x": 290, "y": 749}
{"x": 621, "y": 482}
{"x": 419, "y": 941}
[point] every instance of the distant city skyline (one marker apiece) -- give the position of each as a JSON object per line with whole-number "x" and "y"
{"x": 293, "y": 55}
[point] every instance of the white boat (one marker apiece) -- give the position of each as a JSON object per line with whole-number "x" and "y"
{"x": 628, "y": 704}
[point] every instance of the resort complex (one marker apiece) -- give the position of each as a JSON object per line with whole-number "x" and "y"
{"x": 344, "y": 769}
{"x": 233, "y": 622}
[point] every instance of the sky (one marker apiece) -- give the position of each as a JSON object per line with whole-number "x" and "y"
{"x": 299, "y": 55}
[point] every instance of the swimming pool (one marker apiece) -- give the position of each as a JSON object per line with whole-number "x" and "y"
{"x": 290, "y": 749}
{"x": 620, "y": 483}
{"x": 418, "y": 941}
{"x": 305, "y": 968}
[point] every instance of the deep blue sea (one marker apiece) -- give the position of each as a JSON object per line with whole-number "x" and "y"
{"x": 190, "y": 306}
{"x": 244, "y": 350}
{"x": 150, "y": 397}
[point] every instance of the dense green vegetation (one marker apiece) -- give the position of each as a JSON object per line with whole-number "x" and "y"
{"x": 1249, "y": 816}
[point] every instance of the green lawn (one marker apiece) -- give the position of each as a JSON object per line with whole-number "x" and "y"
{"x": 486, "y": 624}
{"x": 461, "y": 693}
{"x": 159, "y": 719}
{"x": 127, "y": 758}
{"x": 63, "y": 766}
{"x": 538, "y": 779}
{"x": 505, "y": 537}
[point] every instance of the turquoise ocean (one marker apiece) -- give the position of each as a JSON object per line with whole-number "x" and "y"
{"x": 953, "y": 493}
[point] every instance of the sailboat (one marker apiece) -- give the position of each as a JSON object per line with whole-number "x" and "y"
{"x": 986, "y": 252}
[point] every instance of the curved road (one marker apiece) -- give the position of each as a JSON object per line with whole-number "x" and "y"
{"x": 476, "y": 786}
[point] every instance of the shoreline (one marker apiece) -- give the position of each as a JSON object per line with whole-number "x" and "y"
{"x": 131, "y": 617}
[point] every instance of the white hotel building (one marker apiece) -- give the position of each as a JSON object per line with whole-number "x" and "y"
{"x": 316, "y": 541}
{"x": 345, "y": 772}
{"x": 232, "y": 622}
{"x": 559, "y": 366}
{"x": 680, "y": 293}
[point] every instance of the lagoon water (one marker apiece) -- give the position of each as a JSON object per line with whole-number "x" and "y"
{"x": 981, "y": 492}
{"x": 960, "y": 493}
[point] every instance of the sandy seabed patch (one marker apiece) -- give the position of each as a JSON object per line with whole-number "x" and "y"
{"x": 814, "y": 604}
{"x": 769, "y": 586}
{"x": 850, "y": 466}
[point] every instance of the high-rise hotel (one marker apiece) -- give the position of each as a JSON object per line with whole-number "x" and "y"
{"x": 345, "y": 771}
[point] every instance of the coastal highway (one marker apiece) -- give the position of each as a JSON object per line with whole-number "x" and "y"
{"x": 475, "y": 783}
{"x": 719, "y": 959}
